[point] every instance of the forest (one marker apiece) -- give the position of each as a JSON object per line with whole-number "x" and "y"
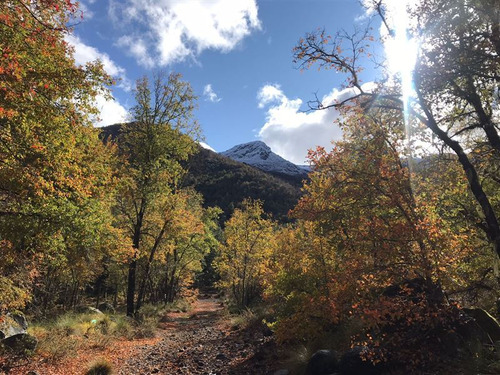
{"x": 387, "y": 264}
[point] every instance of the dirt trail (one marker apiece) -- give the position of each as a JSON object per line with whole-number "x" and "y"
{"x": 202, "y": 342}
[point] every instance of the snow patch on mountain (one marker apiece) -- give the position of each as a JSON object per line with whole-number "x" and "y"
{"x": 206, "y": 146}
{"x": 259, "y": 155}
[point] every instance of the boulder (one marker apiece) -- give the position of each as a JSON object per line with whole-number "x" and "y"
{"x": 323, "y": 362}
{"x": 12, "y": 324}
{"x": 88, "y": 310}
{"x": 353, "y": 363}
{"x": 486, "y": 322}
{"x": 106, "y": 307}
{"x": 21, "y": 342}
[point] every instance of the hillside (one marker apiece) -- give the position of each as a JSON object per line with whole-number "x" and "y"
{"x": 226, "y": 183}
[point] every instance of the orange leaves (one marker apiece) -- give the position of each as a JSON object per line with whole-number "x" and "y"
{"x": 6, "y": 113}
{"x": 368, "y": 228}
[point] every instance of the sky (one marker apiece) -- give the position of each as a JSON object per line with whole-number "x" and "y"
{"x": 236, "y": 54}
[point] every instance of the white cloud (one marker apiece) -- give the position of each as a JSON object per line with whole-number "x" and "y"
{"x": 111, "y": 112}
{"x": 291, "y": 132}
{"x": 86, "y": 12}
{"x": 269, "y": 94}
{"x": 210, "y": 94}
{"x": 169, "y": 31}
{"x": 85, "y": 53}
{"x": 137, "y": 47}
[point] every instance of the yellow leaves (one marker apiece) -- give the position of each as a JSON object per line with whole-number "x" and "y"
{"x": 245, "y": 257}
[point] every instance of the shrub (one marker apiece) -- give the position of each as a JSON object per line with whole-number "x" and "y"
{"x": 100, "y": 367}
{"x": 123, "y": 326}
{"x": 145, "y": 327}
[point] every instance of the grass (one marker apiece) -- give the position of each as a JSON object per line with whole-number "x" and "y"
{"x": 100, "y": 367}
{"x": 244, "y": 319}
{"x": 64, "y": 336}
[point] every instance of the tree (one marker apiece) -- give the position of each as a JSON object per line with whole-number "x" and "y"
{"x": 191, "y": 239}
{"x": 55, "y": 174}
{"x": 301, "y": 283}
{"x": 371, "y": 249}
{"x": 155, "y": 143}
{"x": 455, "y": 79}
{"x": 244, "y": 257}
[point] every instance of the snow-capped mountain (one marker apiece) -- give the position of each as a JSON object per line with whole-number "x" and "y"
{"x": 259, "y": 155}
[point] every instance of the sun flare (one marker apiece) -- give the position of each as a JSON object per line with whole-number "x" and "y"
{"x": 401, "y": 51}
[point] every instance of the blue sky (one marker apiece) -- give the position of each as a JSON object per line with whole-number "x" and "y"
{"x": 237, "y": 55}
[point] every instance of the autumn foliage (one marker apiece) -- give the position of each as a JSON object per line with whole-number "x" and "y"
{"x": 387, "y": 244}
{"x": 55, "y": 173}
{"x": 369, "y": 224}
{"x": 244, "y": 256}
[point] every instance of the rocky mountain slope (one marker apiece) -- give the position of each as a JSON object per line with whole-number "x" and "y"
{"x": 259, "y": 155}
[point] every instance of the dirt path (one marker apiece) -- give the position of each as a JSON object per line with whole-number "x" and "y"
{"x": 203, "y": 342}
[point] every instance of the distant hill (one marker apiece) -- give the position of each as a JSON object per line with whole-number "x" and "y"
{"x": 110, "y": 132}
{"x": 226, "y": 183}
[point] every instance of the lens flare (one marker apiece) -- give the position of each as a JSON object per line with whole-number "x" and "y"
{"x": 401, "y": 50}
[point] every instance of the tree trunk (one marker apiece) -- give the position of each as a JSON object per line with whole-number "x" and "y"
{"x": 142, "y": 289}
{"x": 132, "y": 269}
{"x": 493, "y": 228}
{"x": 131, "y": 284}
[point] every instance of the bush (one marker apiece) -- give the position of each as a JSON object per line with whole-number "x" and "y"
{"x": 100, "y": 367}
{"x": 244, "y": 319}
{"x": 123, "y": 326}
{"x": 66, "y": 334}
{"x": 145, "y": 327}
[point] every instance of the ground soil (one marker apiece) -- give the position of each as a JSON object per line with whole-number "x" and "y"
{"x": 201, "y": 341}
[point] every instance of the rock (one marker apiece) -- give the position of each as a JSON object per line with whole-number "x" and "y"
{"x": 32, "y": 373}
{"x": 221, "y": 357}
{"x": 352, "y": 363}
{"x": 106, "y": 307}
{"x": 12, "y": 324}
{"x": 88, "y": 310}
{"x": 21, "y": 342}
{"x": 282, "y": 372}
{"x": 323, "y": 362}
{"x": 494, "y": 368}
{"x": 451, "y": 343}
{"x": 267, "y": 332}
{"x": 487, "y": 322}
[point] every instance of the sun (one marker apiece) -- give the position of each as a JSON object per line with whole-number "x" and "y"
{"x": 401, "y": 51}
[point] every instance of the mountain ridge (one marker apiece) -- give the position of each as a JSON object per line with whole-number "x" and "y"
{"x": 260, "y": 155}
